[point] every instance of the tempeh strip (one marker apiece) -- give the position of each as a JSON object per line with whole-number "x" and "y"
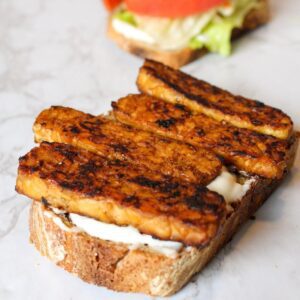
{"x": 179, "y": 88}
{"x": 117, "y": 192}
{"x": 117, "y": 141}
{"x": 249, "y": 151}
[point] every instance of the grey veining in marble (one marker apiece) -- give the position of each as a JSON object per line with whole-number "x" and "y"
{"x": 56, "y": 52}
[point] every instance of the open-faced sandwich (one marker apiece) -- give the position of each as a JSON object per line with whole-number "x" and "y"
{"x": 143, "y": 198}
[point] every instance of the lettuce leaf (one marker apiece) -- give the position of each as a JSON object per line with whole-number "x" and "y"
{"x": 216, "y": 36}
{"x": 125, "y": 16}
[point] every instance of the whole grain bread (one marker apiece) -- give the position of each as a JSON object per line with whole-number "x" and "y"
{"x": 121, "y": 268}
{"x": 178, "y": 58}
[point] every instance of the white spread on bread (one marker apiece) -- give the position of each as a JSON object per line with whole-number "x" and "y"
{"x": 54, "y": 215}
{"x": 132, "y": 32}
{"x": 123, "y": 234}
{"x": 225, "y": 184}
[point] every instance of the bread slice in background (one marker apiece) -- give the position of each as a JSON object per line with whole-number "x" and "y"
{"x": 178, "y": 58}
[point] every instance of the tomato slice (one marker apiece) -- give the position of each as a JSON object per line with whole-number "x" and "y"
{"x": 111, "y": 4}
{"x": 171, "y": 8}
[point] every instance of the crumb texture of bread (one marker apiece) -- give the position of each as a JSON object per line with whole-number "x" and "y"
{"x": 120, "y": 268}
{"x": 179, "y": 58}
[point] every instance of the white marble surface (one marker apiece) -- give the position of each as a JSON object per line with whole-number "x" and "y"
{"x": 55, "y": 52}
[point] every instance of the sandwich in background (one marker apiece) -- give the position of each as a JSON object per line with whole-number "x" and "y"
{"x": 176, "y": 32}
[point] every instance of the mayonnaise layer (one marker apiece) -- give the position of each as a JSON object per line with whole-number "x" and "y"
{"x": 225, "y": 184}
{"x": 132, "y": 32}
{"x": 123, "y": 234}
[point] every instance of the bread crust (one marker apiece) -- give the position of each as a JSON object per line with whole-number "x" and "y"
{"x": 117, "y": 267}
{"x": 178, "y": 58}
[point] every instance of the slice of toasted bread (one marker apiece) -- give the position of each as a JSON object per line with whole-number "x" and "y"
{"x": 178, "y": 58}
{"x": 120, "y": 268}
{"x": 200, "y": 96}
{"x": 117, "y": 192}
{"x": 249, "y": 151}
{"x": 115, "y": 140}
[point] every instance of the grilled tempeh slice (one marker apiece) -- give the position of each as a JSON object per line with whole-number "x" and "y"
{"x": 118, "y": 192}
{"x": 177, "y": 87}
{"x": 248, "y": 150}
{"x": 118, "y": 141}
